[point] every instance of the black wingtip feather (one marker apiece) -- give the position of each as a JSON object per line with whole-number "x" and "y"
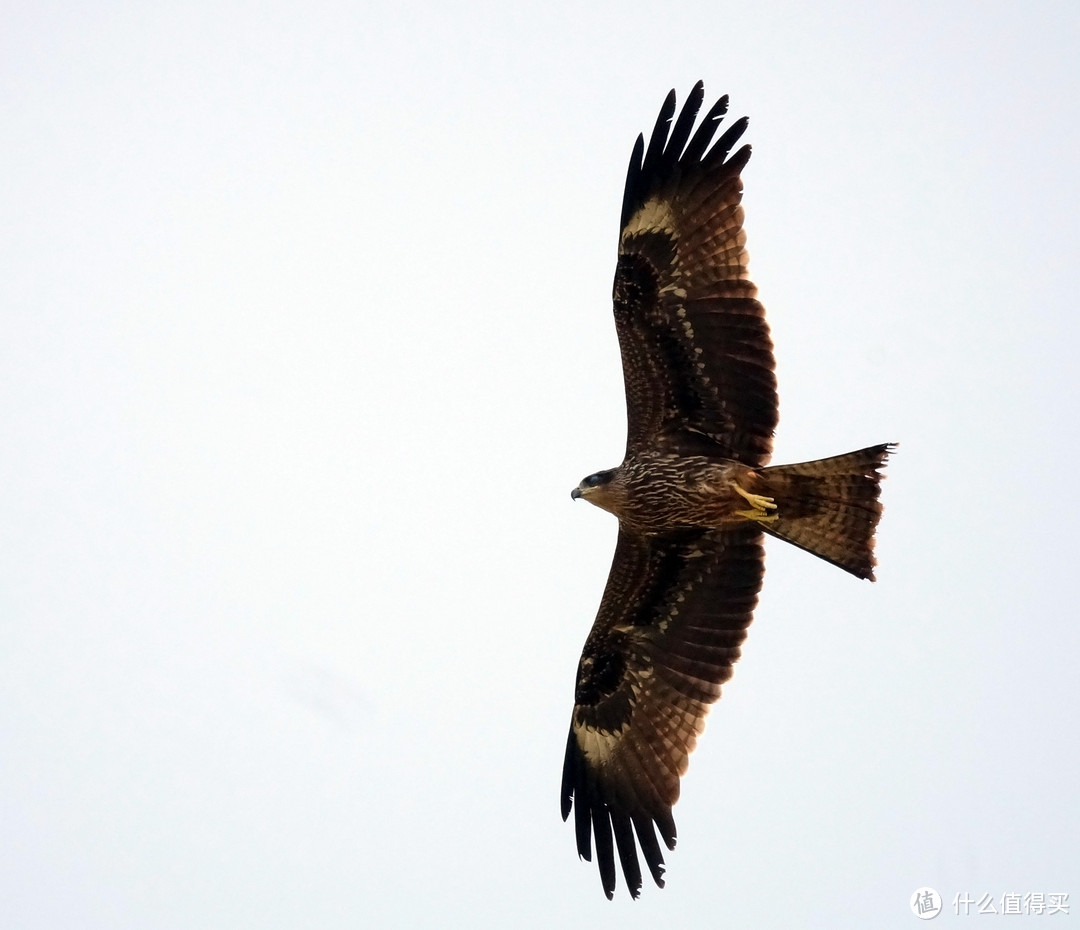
{"x": 650, "y": 849}
{"x": 605, "y": 850}
{"x": 706, "y": 131}
{"x": 724, "y": 144}
{"x": 624, "y": 840}
{"x": 667, "y": 830}
{"x": 614, "y": 828}
{"x": 633, "y": 181}
{"x": 681, "y": 130}
{"x": 569, "y": 777}
{"x": 669, "y": 152}
{"x": 583, "y": 831}
{"x": 658, "y": 139}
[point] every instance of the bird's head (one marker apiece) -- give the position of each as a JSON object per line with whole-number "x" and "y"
{"x": 596, "y": 489}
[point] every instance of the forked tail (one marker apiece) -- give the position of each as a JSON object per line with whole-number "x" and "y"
{"x": 830, "y": 507}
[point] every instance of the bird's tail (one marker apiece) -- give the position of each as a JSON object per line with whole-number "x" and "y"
{"x": 829, "y": 507}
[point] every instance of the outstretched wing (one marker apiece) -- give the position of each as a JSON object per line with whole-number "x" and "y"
{"x": 670, "y": 627}
{"x": 696, "y": 353}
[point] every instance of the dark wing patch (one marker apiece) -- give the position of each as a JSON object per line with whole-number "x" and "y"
{"x": 669, "y": 629}
{"x": 697, "y": 357}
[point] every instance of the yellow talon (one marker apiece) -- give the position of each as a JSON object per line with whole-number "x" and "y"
{"x": 758, "y": 515}
{"x": 757, "y": 501}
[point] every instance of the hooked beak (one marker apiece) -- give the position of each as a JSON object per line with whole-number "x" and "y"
{"x": 575, "y": 494}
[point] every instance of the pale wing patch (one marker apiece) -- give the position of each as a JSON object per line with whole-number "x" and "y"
{"x": 654, "y": 216}
{"x": 598, "y": 745}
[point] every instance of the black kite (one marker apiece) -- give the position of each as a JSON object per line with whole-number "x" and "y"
{"x": 693, "y": 495}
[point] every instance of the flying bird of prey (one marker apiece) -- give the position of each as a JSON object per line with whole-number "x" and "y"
{"x": 694, "y": 494}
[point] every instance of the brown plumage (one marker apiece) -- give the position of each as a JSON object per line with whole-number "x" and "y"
{"x": 694, "y": 494}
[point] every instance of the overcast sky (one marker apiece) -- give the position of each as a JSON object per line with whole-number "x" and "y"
{"x": 307, "y": 337}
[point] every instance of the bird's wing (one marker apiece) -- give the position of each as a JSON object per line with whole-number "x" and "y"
{"x": 697, "y": 358}
{"x": 670, "y": 627}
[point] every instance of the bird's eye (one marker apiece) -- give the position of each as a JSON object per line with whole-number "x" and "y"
{"x": 594, "y": 480}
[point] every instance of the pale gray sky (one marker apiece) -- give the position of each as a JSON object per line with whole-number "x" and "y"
{"x": 307, "y": 339}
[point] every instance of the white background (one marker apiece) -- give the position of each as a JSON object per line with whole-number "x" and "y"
{"x": 306, "y": 339}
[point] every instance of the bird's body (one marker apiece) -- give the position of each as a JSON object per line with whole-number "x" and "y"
{"x": 694, "y": 495}
{"x": 661, "y": 492}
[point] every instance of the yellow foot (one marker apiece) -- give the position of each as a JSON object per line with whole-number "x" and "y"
{"x": 757, "y": 515}
{"x": 755, "y": 500}
{"x": 760, "y": 505}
